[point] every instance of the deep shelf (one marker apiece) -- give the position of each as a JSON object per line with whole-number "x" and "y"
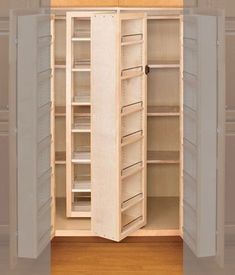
{"x": 163, "y": 111}
{"x": 82, "y": 185}
{"x": 163, "y": 157}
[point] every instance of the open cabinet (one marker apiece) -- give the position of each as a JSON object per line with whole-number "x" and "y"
{"x": 133, "y": 94}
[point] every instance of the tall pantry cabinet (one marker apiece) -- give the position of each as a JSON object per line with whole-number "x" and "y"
{"x": 162, "y": 118}
{"x": 129, "y": 102}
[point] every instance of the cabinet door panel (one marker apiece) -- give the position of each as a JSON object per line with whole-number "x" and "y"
{"x": 34, "y": 134}
{"x": 200, "y": 133}
{"x": 118, "y": 124}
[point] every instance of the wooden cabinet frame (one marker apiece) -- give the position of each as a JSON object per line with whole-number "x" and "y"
{"x": 81, "y": 227}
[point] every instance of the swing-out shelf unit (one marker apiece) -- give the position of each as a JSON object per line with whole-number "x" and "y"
{"x": 163, "y": 117}
{"x": 120, "y": 126}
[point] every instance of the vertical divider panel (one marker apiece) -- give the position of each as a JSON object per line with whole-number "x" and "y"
{"x": 68, "y": 114}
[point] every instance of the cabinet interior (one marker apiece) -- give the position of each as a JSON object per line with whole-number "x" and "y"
{"x": 164, "y": 124}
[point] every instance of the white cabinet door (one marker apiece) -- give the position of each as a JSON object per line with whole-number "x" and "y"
{"x": 118, "y": 134}
{"x": 33, "y": 134}
{"x": 200, "y": 133}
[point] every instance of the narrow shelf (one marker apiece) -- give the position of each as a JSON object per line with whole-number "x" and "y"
{"x": 163, "y": 157}
{"x": 81, "y": 157}
{"x": 162, "y": 17}
{"x": 163, "y": 111}
{"x": 82, "y": 186}
{"x": 81, "y": 208}
{"x": 132, "y": 138}
{"x": 129, "y": 43}
{"x": 163, "y": 64}
{"x": 82, "y": 66}
{"x": 82, "y": 33}
{"x": 81, "y": 39}
{"x": 60, "y": 158}
{"x": 132, "y": 108}
{"x": 128, "y": 221}
{"x": 60, "y": 111}
{"x": 82, "y": 100}
{"x": 131, "y": 74}
{"x": 82, "y": 124}
{"x": 60, "y": 64}
{"x": 131, "y": 202}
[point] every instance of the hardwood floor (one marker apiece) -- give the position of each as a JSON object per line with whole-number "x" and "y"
{"x": 134, "y": 256}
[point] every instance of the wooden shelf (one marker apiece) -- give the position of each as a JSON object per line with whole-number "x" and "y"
{"x": 60, "y": 111}
{"x": 81, "y": 209}
{"x": 82, "y": 66}
{"x": 82, "y": 186}
{"x": 131, "y": 202}
{"x": 163, "y": 64}
{"x": 60, "y": 64}
{"x": 82, "y": 124}
{"x": 162, "y": 214}
{"x": 81, "y": 39}
{"x": 60, "y": 158}
{"x": 132, "y": 108}
{"x": 130, "y": 75}
{"x": 82, "y": 100}
{"x": 163, "y": 111}
{"x": 163, "y": 157}
{"x": 81, "y": 158}
{"x": 64, "y": 226}
{"x": 162, "y": 17}
{"x": 130, "y": 43}
{"x": 129, "y": 221}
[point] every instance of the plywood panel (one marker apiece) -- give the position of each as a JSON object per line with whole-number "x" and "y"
{"x": 163, "y": 180}
{"x": 151, "y": 3}
{"x": 122, "y": 3}
{"x": 84, "y": 3}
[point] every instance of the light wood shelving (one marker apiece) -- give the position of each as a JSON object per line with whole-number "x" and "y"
{"x": 78, "y": 121}
{"x": 73, "y": 208}
{"x": 163, "y": 111}
{"x": 163, "y": 157}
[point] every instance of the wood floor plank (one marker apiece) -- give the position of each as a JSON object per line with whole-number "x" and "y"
{"x": 109, "y": 258}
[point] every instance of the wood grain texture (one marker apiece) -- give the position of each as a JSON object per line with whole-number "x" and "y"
{"x": 151, "y": 3}
{"x": 134, "y": 256}
{"x": 84, "y": 3}
{"x": 117, "y": 3}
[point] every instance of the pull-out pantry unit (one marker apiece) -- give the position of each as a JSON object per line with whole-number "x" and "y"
{"x": 133, "y": 94}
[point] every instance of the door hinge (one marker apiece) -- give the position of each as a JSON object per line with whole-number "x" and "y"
{"x": 147, "y": 70}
